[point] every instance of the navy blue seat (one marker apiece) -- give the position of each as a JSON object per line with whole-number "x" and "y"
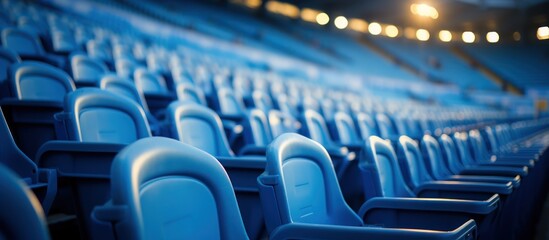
{"x": 38, "y": 90}
{"x": 63, "y": 42}
{"x": 98, "y": 124}
{"x": 383, "y": 177}
{"x": 162, "y": 188}
{"x": 302, "y": 200}
{"x": 8, "y": 57}
{"x": 85, "y": 70}
{"x": 28, "y": 46}
{"x": 21, "y": 217}
{"x": 200, "y": 127}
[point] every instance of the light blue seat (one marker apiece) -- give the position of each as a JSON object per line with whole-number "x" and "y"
{"x": 154, "y": 89}
{"x": 85, "y": 70}
{"x": 38, "y": 90}
{"x": 386, "y": 128}
{"x": 256, "y": 134}
{"x": 99, "y": 50}
{"x": 282, "y": 122}
{"x": 302, "y": 200}
{"x": 200, "y": 127}
{"x": 366, "y": 126}
{"x": 383, "y": 178}
{"x": 21, "y": 216}
{"x": 162, "y": 188}
{"x": 189, "y": 92}
{"x": 63, "y": 41}
{"x": 98, "y": 125}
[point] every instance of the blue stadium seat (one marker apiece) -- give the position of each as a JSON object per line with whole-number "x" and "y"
{"x": 86, "y": 71}
{"x": 163, "y": 188}
{"x": 200, "y": 127}
{"x": 63, "y": 42}
{"x": 8, "y": 57}
{"x": 155, "y": 90}
{"x": 38, "y": 90}
{"x": 302, "y": 200}
{"x": 386, "y": 128}
{"x": 366, "y": 126}
{"x": 282, "y": 122}
{"x": 125, "y": 67}
{"x": 344, "y": 130}
{"x": 262, "y": 101}
{"x": 21, "y": 216}
{"x": 99, "y": 50}
{"x": 383, "y": 177}
{"x": 257, "y": 133}
{"x": 28, "y": 46}
{"x": 189, "y": 92}
{"x": 98, "y": 125}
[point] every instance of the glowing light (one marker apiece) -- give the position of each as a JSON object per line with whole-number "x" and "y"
{"x": 322, "y": 18}
{"x": 358, "y": 25}
{"x": 341, "y": 22}
{"x": 468, "y": 37}
{"x": 309, "y": 15}
{"x": 422, "y": 35}
{"x": 445, "y": 36}
{"x": 410, "y": 33}
{"x": 391, "y": 31}
{"x": 281, "y": 8}
{"x": 374, "y": 28}
{"x": 424, "y": 10}
{"x": 516, "y": 36}
{"x": 543, "y": 33}
{"x": 492, "y": 37}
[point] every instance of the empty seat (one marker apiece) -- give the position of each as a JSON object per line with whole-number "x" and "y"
{"x": 8, "y": 57}
{"x": 99, "y": 50}
{"x": 154, "y": 88}
{"x": 172, "y": 190}
{"x": 301, "y": 199}
{"x": 22, "y": 42}
{"x": 189, "y": 92}
{"x": 257, "y": 133}
{"x": 31, "y": 80}
{"x": 86, "y": 71}
{"x": 21, "y": 216}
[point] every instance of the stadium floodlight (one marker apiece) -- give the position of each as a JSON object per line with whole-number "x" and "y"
{"x": 445, "y": 36}
{"x": 492, "y": 37}
{"x": 468, "y": 37}
{"x": 374, "y": 28}
{"x": 341, "y": 22}
{"x": 422, "y": 35}
{"x": 322, "y": 18}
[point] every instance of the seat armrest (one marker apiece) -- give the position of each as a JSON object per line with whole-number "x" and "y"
{"x": 467, "y": 230}
{"x": 431, "y": 204}
{"x": 456, "y": 186}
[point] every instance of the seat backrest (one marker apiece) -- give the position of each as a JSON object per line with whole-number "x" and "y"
{"x": 300, "y": 184}
{"x": 149, "y": 82}
{"x": 22, "y": 42}
{"x": 21, "y": 216}
{"x": 98, "y": 50}
{"x": 198, "y": 126}
{"x": 125, "y": 68}
{"x": 380, "y": 170}
{"x": 189, "y": 92}
{"x": 262, "y": 100}
{"x": 12, "y": 157}
{"x": 87, "y": 69}
{"x": 96, "y": 115}
{"x": 433, "y": 158}
{"x": 344, "y": 129}
{"x": 123, "y": 87}
{"x": 366, "y": 125}
{"x": 491, "y": 137}
{"x": 461, "y": 140}
{"x": 315, "y": 127}
{"x": 172, "y": 190}
{"x": 282, "y": 122}
{"x": 450, "y": 154}
{"x": 411, "y": 163}
{"x": 228, "y": 102}
{"x": 7, "y": 58}
{"x": 31, "y": 80}
{"x": 478, "y": 146}
{"x": 385, "y": 126}
{"x": 256, "y": 128}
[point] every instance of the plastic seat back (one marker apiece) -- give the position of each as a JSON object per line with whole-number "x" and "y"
{"x": 123, "y": 87}
{"x": 96, "y": 115}
{"x": 411, "y": 163}
{"x": 87, "y": 69}
{"x": 478, "y": 146}
{"x": 299, "y": 185}
{"x": 282, "y": 122}
{"x": 450, "y": 154}
{"x": 380, "y": 170}
{"x": 198, "y": 126}
{"x": 22, "y": 42}
{"x": 188, "y": 92}
{"x": 148, "y": 82}
{"x": 344, "y": 129}
{"x": 39, "y": 81}
{"x": 257, "y": 130}
{"x": 463, "y": 150}
{"x": 262, "y": 100}
{"x": 229, "y": 103}
{"x": 21, "y": 216}
{"x": 385, "y": 127}
{"x": 125, "y": 68}
{"x": 315, "y": 128}
{"x": 366, "y": 126}
{"x": 172, "y": 190}
{"x": 433, "y": 158}
{"x": 7, "y": 58}
{"x": 98, "y": 50}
